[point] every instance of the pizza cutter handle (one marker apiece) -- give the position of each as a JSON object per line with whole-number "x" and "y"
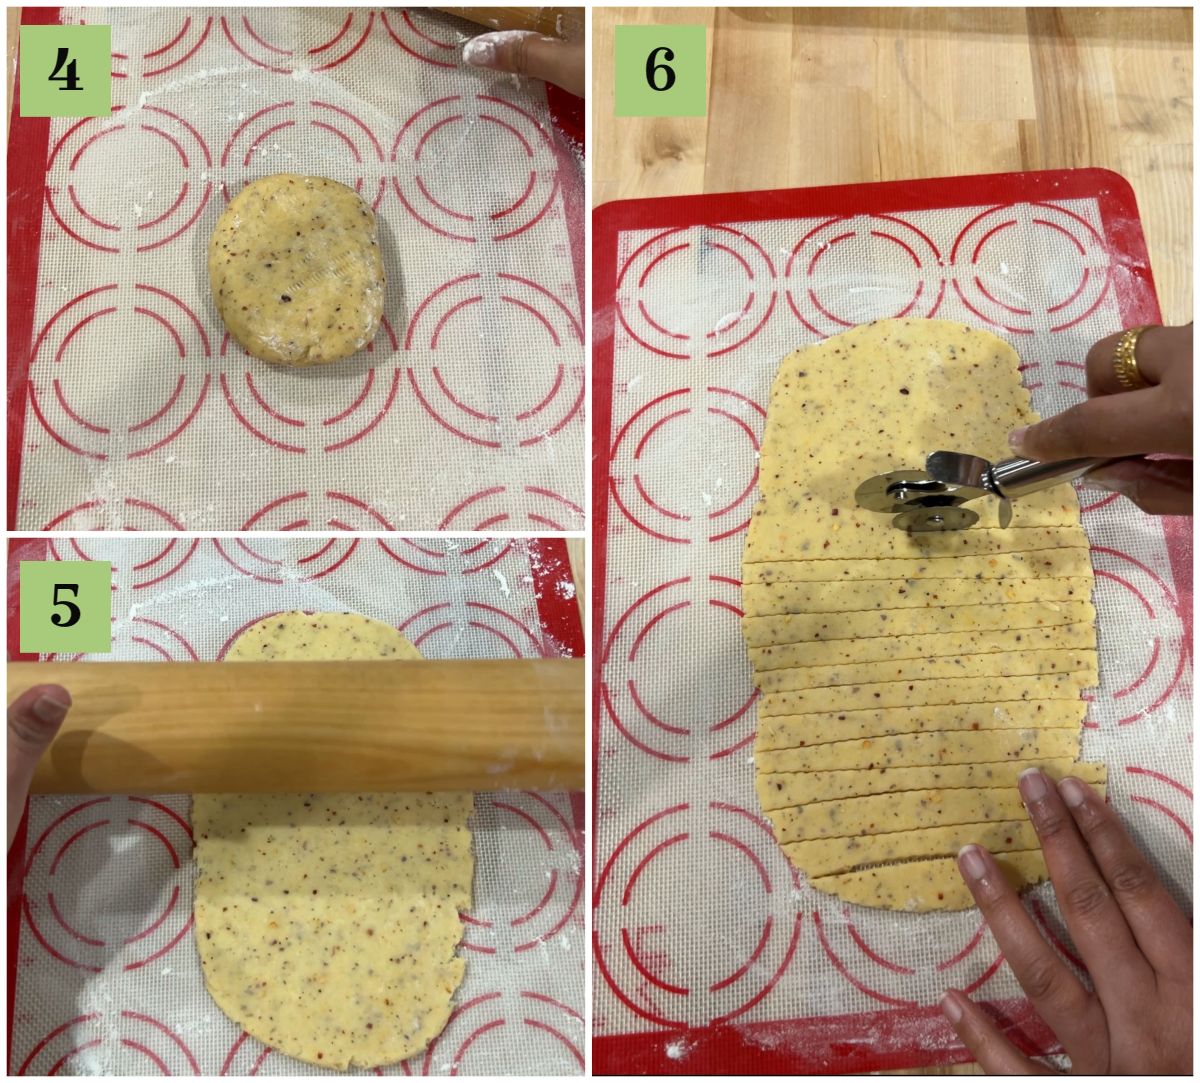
{"x": 1019, "y": 477}
{"x": 307, "y": 727}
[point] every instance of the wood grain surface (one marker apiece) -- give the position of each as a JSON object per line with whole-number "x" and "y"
{"x": 811, "y": 96}
{"x": 293, "y": 727}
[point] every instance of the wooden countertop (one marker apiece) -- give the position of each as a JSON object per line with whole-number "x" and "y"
{"x": 811, "y": 96}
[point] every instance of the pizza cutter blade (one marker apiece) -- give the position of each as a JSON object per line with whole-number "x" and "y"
{"x": 932, "y": 499}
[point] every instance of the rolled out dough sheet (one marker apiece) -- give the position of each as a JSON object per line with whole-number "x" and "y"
{"x": 869, "y": 624}
{"x": 920, "y": 749}
{"x": 779, "y": 598}
{"x": 787, "y": 731}
{"x": 835, "y": 652}
{"x": 1011, "y": 664}
{"x": 908, "y": 678}
{"x": 822, "y": 857}
{"x": 792, "y": 789}
{"x": 1044, "y": 563}
{"x": 934, "y": 884}
{"x": 328, "y": 925}
{"x": 910, "y": 810}
{"x": 923, "y": 692}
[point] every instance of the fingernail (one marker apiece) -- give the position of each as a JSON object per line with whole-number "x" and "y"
{"x": 970, "y": 860}
{"x": 951, "y": 1008}
{"x": 1032, "y": 784}
{"x": 480, "y": 52}
{"x": 50, "y": 710}
{"x": 1016, "y": 436}
{"x": 1074, "y": 792}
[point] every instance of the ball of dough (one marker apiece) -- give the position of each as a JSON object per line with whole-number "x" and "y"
{"x": 296, "y": 270}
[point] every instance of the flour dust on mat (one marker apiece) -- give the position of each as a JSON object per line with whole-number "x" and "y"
{"x": 908, "y": 678}
{"x": 296, "y": 270}
{"x": 328, "y": 925}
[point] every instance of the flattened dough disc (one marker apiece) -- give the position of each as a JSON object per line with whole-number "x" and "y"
{"x": 328, "y": 924}
{"x": 296, "y": 270}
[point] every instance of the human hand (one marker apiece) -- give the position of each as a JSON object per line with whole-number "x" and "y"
{"x": 34, "y": 717}
{"x": 526, "y": 52}
{"x": 1116, "y": 422}
{"x": 1134, "y": 940}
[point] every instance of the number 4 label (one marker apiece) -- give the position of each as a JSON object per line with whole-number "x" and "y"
{"x": 661, "y": 71}
{"x": 65, "y": 71}
{"x": 66, "y": 607}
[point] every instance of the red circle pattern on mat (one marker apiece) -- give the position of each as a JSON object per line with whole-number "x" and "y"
{"x": 251, "y": 37}
{"x": 153, "y": 838}
{"x": 719, "y": 324}
{"x": 66, "y": 1049}
{"x": 918, "y": 292}
{"x": 436, "y": 141}
{"x": 642, "y": 967}
{"x": 344, "y": 416}
{"x": 982, "y": 259}
{"x": 153, "y": 135}
{"x": 169, "y": 556}
{"x": 467, "y": 558}
{"x": 546, "y": 907}
{"x": 175, "y": 387}
{"x": 453, "y": 319}
{"x": 324, "y": 556}
{"x": 706, "y": 722}
{"x": 510, "y": 507}
{"x": 662, "y": 442}
{"x": 1140, "y": 678}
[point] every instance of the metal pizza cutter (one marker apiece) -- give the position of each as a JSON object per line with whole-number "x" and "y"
{"x": 934, "y": 498}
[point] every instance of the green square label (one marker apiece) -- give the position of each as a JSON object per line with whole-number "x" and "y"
{"x": 660, "y": 71}
{"x": 66, "y": 606}
{"x": 66, "y": 71}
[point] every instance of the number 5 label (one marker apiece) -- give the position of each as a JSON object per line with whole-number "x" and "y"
{"x": 660, "y": 71}
{"x": 66, "y": 607}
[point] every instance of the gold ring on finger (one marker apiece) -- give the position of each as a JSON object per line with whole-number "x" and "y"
{"x": 1125, "y": 364}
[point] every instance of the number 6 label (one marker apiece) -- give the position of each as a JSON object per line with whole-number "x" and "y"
{"x": 660, "y": 71}
{"x": 66, "y": 607}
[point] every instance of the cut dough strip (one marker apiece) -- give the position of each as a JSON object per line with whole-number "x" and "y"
{"x": 1002, "y": 664}
{"x": 918, "y": 749}
{"x": 929, "y": 645}
{"x": 879, "y": 813}
{"x": 769, "y": 599}
{"x": 923, "y": 693}
{"x": 1042, "y": 564}
{"x": 785, "y": 534}
{"x": 795, "y": 789}
{"x": 822, "y": 857}
{"x": 788, "y": 731}
{"x": 926, "y": 885}
{"x": 810, "y": 627}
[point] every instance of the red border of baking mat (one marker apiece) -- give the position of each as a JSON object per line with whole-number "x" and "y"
{"x": 559, "y": 614}
{"x": 908, "y": 1037}
{"x": 28, "y": 143}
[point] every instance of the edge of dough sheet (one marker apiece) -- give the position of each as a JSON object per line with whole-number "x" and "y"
{"x": 363, "y": 1025}
{"x": 818, "y": 568}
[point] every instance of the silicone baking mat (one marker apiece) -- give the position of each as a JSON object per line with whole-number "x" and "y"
{"x": 128, "y": 403}
{"x": 711, "y": 953}
{"x": 107, "y": 978}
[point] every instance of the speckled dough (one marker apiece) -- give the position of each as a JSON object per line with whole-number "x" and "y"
{"x": 908, "y": 679}
{"x": 328, "y": 925}
{"x": 296, "y": 270}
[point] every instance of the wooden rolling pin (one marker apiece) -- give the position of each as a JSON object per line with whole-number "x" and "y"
{"x": 300, "y": 727}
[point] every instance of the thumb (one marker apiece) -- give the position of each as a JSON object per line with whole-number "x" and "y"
{"x": 34, "y": 718}
{"x": 526, "y": 52}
